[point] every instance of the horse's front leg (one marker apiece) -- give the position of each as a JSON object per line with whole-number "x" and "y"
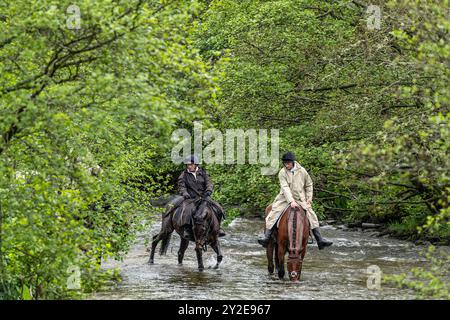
{"x": 280, "y": 265}
{"x": 275, "y": 246}
{"x": 303, "y": 252}
{"x": 183, "y": 246}
{"x": 198, "y": 250}
{"x": 269, "y": 254}
{"x": 216, "y": 248}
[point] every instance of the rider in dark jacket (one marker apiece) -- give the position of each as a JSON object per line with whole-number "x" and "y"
{"x": 194, "y": 182}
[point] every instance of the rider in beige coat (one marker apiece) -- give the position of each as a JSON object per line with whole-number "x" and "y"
{"x": 296, "y": 191}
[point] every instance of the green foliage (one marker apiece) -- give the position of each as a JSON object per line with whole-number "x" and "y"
{"x": 85, "y": 116}
{"x": 356, "y": 105}
{"x": 307, "y": 72}
{"x": 232, "y": 214}
{"x": 253, "y": 194}
{"x": 406, "y": 163}
{"x": 429, "y": 282}
{"x": 366, "y": 111}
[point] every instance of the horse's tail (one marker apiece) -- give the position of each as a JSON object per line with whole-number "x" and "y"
{"x": 165, "y": 244}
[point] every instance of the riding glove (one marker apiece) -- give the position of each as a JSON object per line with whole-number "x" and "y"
{"x": 186, "y": 195}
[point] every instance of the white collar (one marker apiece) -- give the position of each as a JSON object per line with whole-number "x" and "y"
{"x": 194, "y": 173}
{"x": 295, "y": 168}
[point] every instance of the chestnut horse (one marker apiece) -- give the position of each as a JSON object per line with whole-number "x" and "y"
{"x": 205, "y": 232}
{"x": 291, "y": 237}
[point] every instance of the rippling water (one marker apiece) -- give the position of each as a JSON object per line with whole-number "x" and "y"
{"x": 338, "y": 272}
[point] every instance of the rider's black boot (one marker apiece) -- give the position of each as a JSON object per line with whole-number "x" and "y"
{"x": 264, "y": 241}
{"x": 321, "y": 242}
{"x": 222, "y": 233}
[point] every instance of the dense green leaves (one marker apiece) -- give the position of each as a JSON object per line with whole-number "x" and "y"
{"x": 366, "y": 110}
{"x": 86, "y": 117}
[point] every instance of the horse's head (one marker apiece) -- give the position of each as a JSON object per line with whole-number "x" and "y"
{"x": 203, "y": 224}
{"x": 294, "y": 266}
{"x": 297, "y": 236}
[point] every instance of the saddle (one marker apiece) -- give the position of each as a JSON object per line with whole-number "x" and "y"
{"x": 184, "y": 210}
{"x": 310, "y": 240}
{"x": 172, "y": 205}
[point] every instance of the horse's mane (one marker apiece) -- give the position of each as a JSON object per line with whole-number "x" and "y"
{"x": 210, "y": 212}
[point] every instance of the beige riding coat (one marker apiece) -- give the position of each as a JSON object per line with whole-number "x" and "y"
{"x": 296, "y": 184}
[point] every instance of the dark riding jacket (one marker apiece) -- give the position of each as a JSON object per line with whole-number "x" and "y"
{"x": 195, "y": 186}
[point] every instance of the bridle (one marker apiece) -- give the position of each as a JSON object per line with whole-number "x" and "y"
{"x": 205, "y": 225}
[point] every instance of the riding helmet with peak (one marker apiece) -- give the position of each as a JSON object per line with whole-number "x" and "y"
{"x": 191, "y": 159}
{"x": 288, "y": 156}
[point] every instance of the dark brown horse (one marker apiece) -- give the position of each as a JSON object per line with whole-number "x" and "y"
{"x": 205, "y": 232}
{"x": 290, "y": 237}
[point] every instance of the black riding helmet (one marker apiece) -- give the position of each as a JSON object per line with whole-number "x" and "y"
{"x": 288, "y": 157}
{"x": 191, "y": 159}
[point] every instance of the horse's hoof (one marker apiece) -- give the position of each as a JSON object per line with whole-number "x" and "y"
{"x": 216, "y": 267}
{"x": 180, "y": 264}
{"x": 201, "y": 269}
{"x": 150, "y": 262}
